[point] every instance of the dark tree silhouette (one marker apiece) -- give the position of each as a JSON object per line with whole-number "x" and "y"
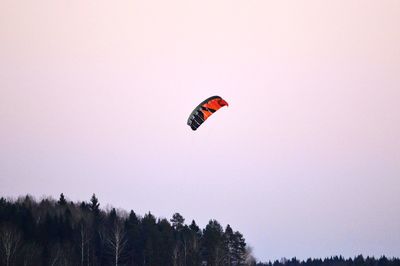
{"x": 62, "y": 201}
{"x": 63, "y": 233}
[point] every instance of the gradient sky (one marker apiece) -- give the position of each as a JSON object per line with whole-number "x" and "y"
{"x": 94, "y": 97}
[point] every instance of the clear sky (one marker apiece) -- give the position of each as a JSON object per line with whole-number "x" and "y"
{"x": 94, "y": 97}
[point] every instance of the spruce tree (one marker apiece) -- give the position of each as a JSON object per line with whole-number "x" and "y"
{"x": 62, "y": 201}
{"x": 213, "y": 243}
{"x": 94, "y": 205}
{"x": 239, "y": 249}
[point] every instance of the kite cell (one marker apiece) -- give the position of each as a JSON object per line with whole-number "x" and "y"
{"x": 204, "y": 110}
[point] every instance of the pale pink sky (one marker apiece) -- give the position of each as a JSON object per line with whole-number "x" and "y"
{"x": 94, "y": 97}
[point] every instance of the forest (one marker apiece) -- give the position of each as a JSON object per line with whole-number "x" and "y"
{"x": 59, "y": 232}
{"x": 336, "y": 261}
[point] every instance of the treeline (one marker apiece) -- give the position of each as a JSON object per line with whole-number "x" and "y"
{"x": 336, "y": 261}
{"x": 50, "y": 233}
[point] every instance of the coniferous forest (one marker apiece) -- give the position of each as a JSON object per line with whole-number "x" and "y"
{"x": 59, "y": 232}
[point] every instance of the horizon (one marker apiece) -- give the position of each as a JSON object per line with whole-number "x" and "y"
{"x": 124, "y": 213}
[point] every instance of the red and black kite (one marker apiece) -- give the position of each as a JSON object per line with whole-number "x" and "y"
{"x": 204, "y": 110}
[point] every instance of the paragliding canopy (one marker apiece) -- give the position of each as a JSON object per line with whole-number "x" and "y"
{"x": 204, "y": 110}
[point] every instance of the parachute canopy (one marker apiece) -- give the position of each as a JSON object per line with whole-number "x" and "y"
{"x": 204, "y": 110}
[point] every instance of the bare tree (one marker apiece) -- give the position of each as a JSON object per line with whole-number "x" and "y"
{"x": 83, "y": 236}
{"x": 250, "y": 260}
{"x": 117, "y": 241}
{"x": 84, "y": 242}
{"x": 10, "y": 242}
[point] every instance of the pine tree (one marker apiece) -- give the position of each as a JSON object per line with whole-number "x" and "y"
{"x": 94, "y": 205}
{"x": 166, "y": 243}
{"x": 213, "y": 243}
{"x": 149, "y": 235}
{"x": 134, "y": 243}
{"x": 180, "y": 245}
{"x": 62, "y": 201}
{"x": 194, "y": 256}
{"x": 177, "y": 221}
